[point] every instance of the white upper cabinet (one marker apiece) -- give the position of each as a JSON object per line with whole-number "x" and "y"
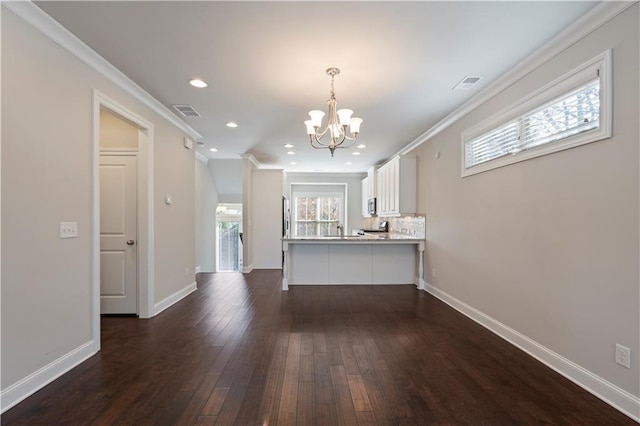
{"x": 371, "y": 182}
{"x": 396, "y": 187}
{"x": 368, "y": 190}
{"x": 365, "y": 197}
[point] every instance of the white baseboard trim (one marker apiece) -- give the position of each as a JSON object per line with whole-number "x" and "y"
{"x": 197, "y": 270}
{"x": 247, "y": 269}
{"x": 35, "y": 381}
{"x": 174, "y": 298}
{"x": 613, "y": 395}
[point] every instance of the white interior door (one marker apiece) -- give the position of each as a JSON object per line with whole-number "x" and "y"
{"x": 118, "y": 234}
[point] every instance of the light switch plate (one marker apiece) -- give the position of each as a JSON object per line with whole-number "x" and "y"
{"x": 68, "y": 229}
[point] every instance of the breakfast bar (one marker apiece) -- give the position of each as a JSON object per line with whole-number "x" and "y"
{"x": 353, "y": 259}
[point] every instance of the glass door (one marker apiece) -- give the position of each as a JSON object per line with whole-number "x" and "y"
{"x": 229, "y": 242}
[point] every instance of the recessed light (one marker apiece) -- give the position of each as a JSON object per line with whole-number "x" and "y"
{"x": 361, "y": 146}
{"x": 348, "y": 163}
{"x": 288, "y": 146}
{"x": 231, "y": 124}
{"x": 213, "y": 150}
{"x": 293, "y": 163}
{"x": 197, "y": 83}
{"x": 355, "y": 153}
{"x": 291, "y": 153}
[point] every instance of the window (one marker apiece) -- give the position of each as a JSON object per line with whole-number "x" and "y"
{"x": 317, "y": 214}
{"x": 570, "y": 111}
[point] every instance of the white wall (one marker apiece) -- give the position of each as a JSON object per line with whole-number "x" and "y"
{"x": 205, "y": 211}
{"x": 227, "y": 176}
{"x": 47, "y": 178}
{"x": 174, "y": 230}
{"x": 248, "y": 168}
{"x": 549, "y": 246}
{"x": 354, "y": 192}
{"x": 117, "y": 133}
{"x": 266, "y": 212}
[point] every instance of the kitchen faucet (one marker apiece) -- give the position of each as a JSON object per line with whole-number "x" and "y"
{"x": 340, "y": 229}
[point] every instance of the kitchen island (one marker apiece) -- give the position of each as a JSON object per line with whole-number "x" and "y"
{"x": 353, "y": 259}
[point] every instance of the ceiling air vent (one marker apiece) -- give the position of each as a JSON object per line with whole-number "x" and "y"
{"x": 186, "y": 110}
{"x": 467, "y": 83}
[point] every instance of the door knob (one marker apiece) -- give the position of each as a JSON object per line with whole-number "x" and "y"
{"x": 130, "y": 242}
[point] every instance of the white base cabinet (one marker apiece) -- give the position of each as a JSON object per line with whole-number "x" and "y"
{"x": 352, "y": 263}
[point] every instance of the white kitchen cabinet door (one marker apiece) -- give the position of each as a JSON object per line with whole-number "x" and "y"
{"x": 371, "y": 182}
{"x": 394, "y": 185}
{"x": 381, "y": 188}
{"x": 387, "y": 186}
{"x": 397, "y": 187}
{"x": 365, "y": 197}
{"x": 384, "y": 190}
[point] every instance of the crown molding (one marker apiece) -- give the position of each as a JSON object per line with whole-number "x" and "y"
{"x": 597, "y": 16}
{"x": 252, "y": 159}
{"x": 37, "y": 18}
{"x": 202, "y": 158}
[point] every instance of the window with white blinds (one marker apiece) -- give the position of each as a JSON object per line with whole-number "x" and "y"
{"x": 502, "y": 141}
{"x": 571, "y": 111}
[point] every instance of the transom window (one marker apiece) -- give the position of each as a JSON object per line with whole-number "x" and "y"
{"x": 570, "y": 111}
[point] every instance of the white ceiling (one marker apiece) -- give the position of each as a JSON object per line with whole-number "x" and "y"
{"x": 265, "y": 64}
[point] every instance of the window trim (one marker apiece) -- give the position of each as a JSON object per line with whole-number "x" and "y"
{"x": 529, "y": 104}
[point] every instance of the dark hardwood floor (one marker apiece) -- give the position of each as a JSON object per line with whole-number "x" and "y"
{"x": 240, "y": 351}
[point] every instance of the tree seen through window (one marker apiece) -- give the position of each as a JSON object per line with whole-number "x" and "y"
{"x": 317, "y": 215}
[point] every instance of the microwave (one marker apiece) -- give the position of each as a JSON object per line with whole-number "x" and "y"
{"x": 371, "y": 206}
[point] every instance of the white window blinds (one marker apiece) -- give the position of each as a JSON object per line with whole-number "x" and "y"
{"x": 575, "y": 112}
{"x": 495, "y": 144}
{"x": 572, "y": 110}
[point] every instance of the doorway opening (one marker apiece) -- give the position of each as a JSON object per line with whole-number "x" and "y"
{"x": 229, "y": 237}
{"x": 118, "y": 177}
{"x": 137, "y": 148}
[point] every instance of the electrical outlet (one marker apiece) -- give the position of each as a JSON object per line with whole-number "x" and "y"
{"x": 433, "y": 272}
{"x": 623, "y": 356}
{"x": 186, "y": 272}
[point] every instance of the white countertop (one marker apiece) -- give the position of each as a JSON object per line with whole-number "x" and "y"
{"x": 378, "y": 237}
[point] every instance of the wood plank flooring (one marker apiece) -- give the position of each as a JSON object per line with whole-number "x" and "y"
{"x": 239, "y": 351}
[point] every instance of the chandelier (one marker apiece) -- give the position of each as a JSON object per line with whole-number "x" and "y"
{"x": 338, "y": 121}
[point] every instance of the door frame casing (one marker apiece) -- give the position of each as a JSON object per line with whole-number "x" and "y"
{"x": 144, "y": 215}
